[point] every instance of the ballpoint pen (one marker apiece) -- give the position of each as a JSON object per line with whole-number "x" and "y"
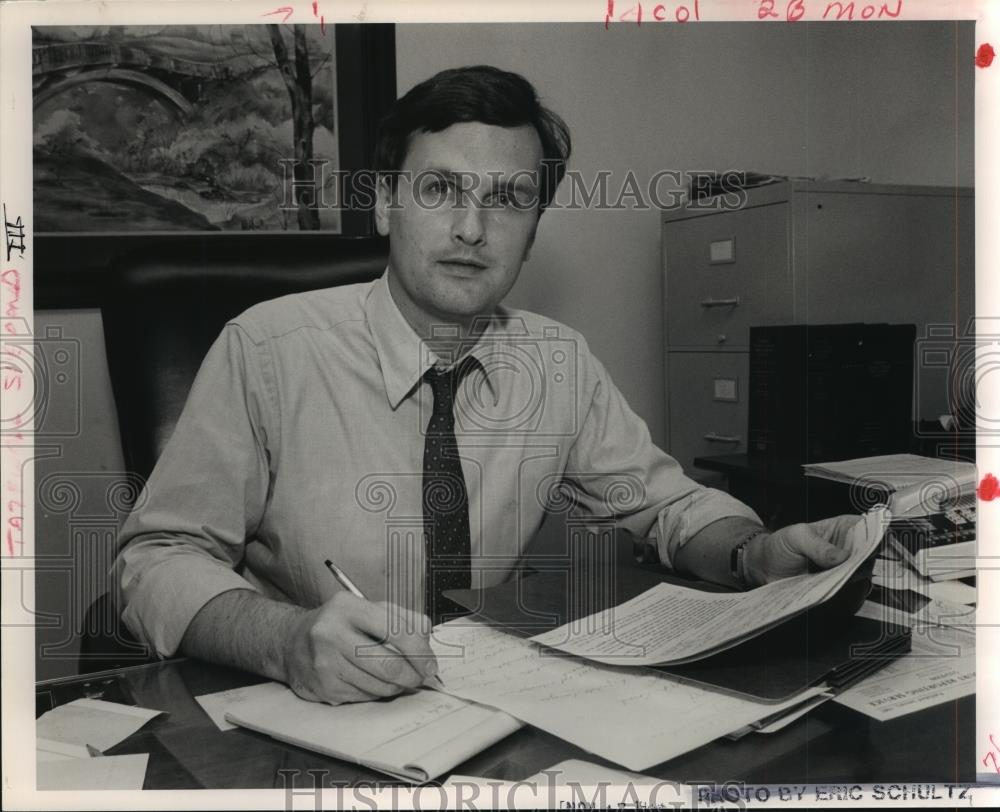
{"x": 344, "y": 580}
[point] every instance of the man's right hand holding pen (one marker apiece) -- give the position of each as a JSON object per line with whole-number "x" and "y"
{"x": 352, "y": 650}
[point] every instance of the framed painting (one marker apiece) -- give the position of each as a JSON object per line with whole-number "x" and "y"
{"x": 250, "y": 131}
{"x": 192, "y": 127}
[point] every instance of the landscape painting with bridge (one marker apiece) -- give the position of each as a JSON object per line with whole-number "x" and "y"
{"x": 192, "y": 128}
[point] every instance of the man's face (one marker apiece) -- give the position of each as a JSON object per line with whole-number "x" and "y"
{"x": 462, "y": 222}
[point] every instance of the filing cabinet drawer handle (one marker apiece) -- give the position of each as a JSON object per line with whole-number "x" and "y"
{"x": 734, "y": 302}
{"x": 712, "y": 437}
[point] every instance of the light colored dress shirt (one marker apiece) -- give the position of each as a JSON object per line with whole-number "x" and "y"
{"x": 303, "y": 439}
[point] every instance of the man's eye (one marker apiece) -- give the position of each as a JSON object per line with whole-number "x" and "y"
{"x": 519, "y": 199}
{"x": 435, "y": 191}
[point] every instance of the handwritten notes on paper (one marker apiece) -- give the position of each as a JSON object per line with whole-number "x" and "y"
{"x": 673, "y": 624}
{"x": 636, "y": 718}
{"x": 92, "y": 721}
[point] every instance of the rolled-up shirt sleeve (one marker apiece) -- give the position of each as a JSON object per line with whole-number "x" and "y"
{"x": 186, "y": 536}
{"x": 616, "y": 471}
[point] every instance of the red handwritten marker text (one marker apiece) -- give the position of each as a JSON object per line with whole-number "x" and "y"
{"x": 322, "y": 19}
{"x": 11, "y": 280}
{"x": 13, "y": 534}
{"x": 845, "y": 11}
{"x": 658, "y": 13}
{"x": 794, "y": 10}
{"x": 992, "y": 755}
{"x": 286, "y": 10}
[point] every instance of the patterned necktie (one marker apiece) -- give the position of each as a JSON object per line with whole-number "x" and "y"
{"x": 447, "y": 542}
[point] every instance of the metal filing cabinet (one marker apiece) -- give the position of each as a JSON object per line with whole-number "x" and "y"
{"x": 804, "y": 253}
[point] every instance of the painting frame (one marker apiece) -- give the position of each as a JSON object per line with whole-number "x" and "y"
{"x": 70, "y": 268}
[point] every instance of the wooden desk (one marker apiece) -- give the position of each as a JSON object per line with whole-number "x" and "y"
{"x": 830, "y": 745}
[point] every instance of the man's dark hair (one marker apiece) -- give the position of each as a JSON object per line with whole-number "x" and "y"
{"x": 479, "y": 93}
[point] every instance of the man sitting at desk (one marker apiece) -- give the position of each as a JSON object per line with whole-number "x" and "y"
{"x": 412, "y": 430}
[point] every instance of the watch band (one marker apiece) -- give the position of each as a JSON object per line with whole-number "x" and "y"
{"x": 737, "y": 562}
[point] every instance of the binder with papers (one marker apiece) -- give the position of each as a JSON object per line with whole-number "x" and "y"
{"x": 771, "y": 661}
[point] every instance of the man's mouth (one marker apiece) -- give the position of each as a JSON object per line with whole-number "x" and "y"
{"x": 463, "y": 263}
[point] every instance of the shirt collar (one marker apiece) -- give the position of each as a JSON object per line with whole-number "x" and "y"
{"x": 403, "y": 356}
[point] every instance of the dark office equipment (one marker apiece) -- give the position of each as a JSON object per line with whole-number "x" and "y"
{"x": 810, "y": 252}
{"x": 830, "y": 392}
{"x": 939, "y": 543}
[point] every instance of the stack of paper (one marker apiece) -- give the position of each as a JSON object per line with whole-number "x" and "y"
{"x": 69, "y": 736}
{"x": 940, "y": 546}
{"x": 933, "y": 506}
{"x": 633, "y": 717}
{"x": 901, "y": 472}
{"x": 671, "y": 624}
{"x": 636, "y": 716}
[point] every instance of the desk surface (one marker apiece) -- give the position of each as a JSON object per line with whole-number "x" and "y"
{"x": 830, "y": 745}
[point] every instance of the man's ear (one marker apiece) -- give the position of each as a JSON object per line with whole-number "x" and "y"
{"x": 383, "y": 200}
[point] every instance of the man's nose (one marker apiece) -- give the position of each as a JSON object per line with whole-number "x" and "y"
{"x": 469, "y": 225}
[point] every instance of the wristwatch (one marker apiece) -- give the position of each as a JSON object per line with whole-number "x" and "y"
{"x": 737, "y": 558}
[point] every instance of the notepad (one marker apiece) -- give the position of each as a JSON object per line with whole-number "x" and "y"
{"x": 415, "y": 737}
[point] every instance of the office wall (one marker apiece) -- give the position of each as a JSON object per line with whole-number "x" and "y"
{"x": 890, "y": 101}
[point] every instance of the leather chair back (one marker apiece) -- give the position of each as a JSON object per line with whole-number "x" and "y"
{"x": 166, "y": 305}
